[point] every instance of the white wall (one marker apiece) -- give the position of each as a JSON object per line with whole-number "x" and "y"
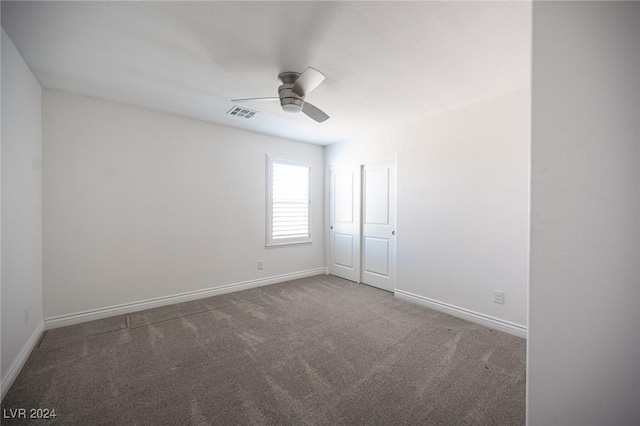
{"x": 584, "y": 326}
{"x": 139, "y": 204}
{"x": 21, "y": 211}
{"x": 462, "y": 203}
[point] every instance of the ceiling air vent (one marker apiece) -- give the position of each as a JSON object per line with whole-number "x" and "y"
{"x": 242, "y": 112}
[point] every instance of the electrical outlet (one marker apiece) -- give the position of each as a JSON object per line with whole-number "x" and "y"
{"x": 26, "y": 316}
{"x": 498, "y": 297}
{"x": 260, "y": 264}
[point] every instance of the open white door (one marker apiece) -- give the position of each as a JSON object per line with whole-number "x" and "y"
{"x": 344, "y": 222}
{"x": 378, "y": 225}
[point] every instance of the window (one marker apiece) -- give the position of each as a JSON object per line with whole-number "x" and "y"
{"x": 288, "y": 202}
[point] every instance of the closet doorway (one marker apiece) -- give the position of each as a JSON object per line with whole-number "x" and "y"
{"x": 362, "y": 223}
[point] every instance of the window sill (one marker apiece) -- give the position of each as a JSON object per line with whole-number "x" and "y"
{"x": 289, "y": 244}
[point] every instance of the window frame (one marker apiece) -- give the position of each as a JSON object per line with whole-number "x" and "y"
{"x": 291, "y": 241}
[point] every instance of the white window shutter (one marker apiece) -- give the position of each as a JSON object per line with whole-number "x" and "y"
{"x": 289, "y": 202}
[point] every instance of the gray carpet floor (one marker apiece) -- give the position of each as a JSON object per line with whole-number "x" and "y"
{"x": 315, "y": 351}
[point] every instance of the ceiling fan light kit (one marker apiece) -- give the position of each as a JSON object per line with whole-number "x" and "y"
{"x": 290, "y": 101}
{"x": 295, "y": 87}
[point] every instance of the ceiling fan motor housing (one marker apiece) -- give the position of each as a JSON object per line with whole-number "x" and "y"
{"x": 289, "y": 100}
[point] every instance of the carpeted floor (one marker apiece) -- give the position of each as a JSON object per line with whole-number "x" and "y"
{"x": 316, "y": 351}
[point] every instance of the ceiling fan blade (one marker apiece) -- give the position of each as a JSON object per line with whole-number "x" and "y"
{"x": 314, "y": 112}
{"x": 256, "y": 99}
{"x": 308, "y": 80}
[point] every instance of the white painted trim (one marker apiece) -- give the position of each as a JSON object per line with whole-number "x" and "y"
{"x": 125, "y": 308}
{"x": 476, "y": 317}
{"x": 22, "y": 357}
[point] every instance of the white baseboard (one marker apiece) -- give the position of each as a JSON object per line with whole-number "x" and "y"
{"x": 126, "y": 308}
{"x": 476, "y": 317}
{"x": 22, "y": 357}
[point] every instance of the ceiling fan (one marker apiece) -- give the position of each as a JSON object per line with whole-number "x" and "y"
{"x": 295, "y": 87}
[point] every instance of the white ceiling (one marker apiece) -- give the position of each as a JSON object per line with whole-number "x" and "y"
{"x": 386, "y": 62}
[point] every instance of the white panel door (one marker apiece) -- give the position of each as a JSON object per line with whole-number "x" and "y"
{"x": 344, "y": 222}
{"x": 378, "y": 225}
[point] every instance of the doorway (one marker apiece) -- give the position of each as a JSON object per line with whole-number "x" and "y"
{"x": 362, "y": 223}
